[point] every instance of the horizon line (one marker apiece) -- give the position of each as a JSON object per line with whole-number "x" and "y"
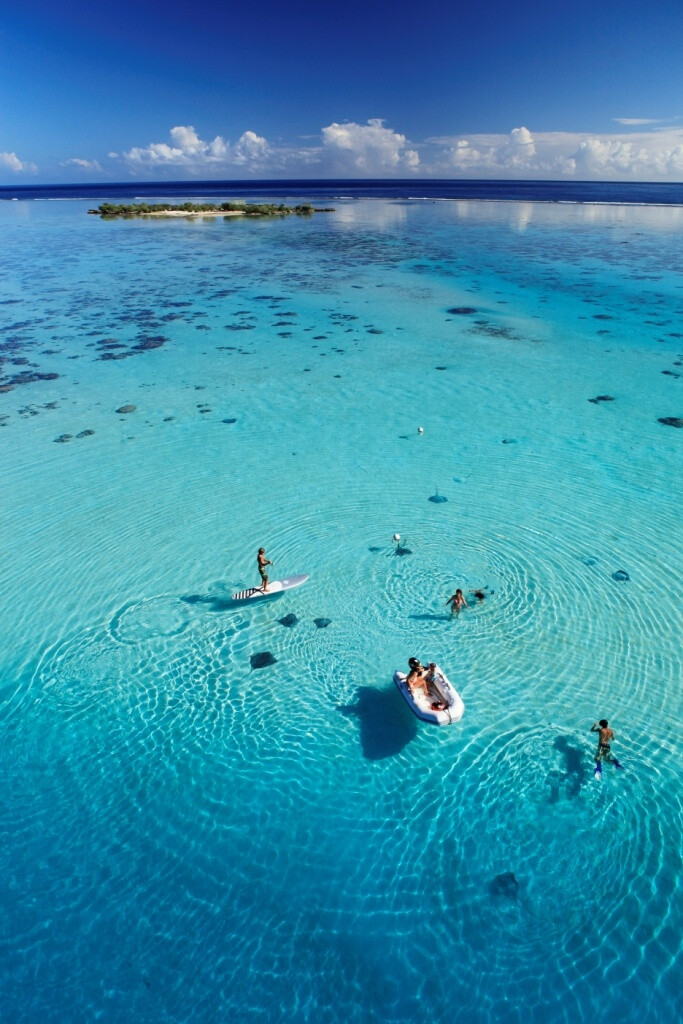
{"x": 346, "y": 181}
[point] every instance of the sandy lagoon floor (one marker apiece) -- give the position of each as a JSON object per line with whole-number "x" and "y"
{"x": 197, "y": 840}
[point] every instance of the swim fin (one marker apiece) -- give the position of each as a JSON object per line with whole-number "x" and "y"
{"x": 598, "y": 770}
{"x": 617, "y": 764}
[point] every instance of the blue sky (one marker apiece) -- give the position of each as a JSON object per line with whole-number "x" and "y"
{"x": 226, "y": 90}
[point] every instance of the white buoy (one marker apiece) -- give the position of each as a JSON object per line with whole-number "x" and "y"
{"x": 396, "y": 537}
{"x": 420, "y": 430}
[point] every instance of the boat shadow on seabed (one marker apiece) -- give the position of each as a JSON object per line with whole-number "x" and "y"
{"x": 385, "y": 728}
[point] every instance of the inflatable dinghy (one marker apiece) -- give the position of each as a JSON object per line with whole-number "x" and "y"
{"x": 432, "y": 709}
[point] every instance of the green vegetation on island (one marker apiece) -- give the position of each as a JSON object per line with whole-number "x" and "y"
{"x": 112, "y": 210}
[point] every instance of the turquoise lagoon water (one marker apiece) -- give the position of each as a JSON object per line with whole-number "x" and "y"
{"x": 186, "y": 839}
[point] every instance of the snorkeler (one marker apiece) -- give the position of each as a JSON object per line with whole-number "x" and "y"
{"x": 606, "y": 735}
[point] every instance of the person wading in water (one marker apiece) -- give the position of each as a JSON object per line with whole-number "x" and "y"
{"x": 457, "y": 602}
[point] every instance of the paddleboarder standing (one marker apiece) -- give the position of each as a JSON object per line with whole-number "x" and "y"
{"x": 262, "y": 562}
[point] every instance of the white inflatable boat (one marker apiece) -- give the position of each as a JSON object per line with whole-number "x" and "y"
{"x": 444, "y": 704}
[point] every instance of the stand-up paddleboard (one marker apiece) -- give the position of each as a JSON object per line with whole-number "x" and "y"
{"x": 274, "y": 587}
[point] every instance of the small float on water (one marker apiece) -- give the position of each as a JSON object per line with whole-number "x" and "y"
{"x": 274, "y": 587}
{"x": 427, "y": 708}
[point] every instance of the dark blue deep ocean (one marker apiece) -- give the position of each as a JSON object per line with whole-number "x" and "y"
{"x": 650, "y": 193}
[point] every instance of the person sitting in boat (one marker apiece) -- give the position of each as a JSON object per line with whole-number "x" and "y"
{"x": 422, "y": 678}
{"x": 416, "y": 677}
{"x": 438, "y": 703}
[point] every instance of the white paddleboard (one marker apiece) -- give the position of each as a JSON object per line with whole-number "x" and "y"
{"x": 274, "y": 587}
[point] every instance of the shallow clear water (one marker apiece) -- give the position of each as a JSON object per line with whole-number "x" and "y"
{"x": 188, "y": 839}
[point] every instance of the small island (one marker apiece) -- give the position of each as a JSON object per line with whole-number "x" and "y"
{"x": 227, "y": 209}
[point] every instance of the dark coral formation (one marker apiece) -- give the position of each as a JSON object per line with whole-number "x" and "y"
{"x": 149, "y": 341}
{"x": 24, "y": 377}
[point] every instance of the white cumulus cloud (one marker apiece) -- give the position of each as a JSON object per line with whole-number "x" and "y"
{"x": 632, "y": 157}
{"x": 187, "y": 150}
{"x": 654, "y": 154}
{"x": 250, "y": 148}
{"x": 351, "y": 149}
{"x": 367, "y": 148}
{"x": 502, "y": 153}
{"x": 520, "y": 146}
{"x": 86, "y": 165}
{"x": 187, "y": 138}
{"x": 13, "y": 163}
{"x": 372, "y": 149}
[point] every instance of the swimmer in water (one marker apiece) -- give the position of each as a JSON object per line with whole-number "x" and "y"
{"x": 457, "y": 602}
{"x": 606, "y": 735}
